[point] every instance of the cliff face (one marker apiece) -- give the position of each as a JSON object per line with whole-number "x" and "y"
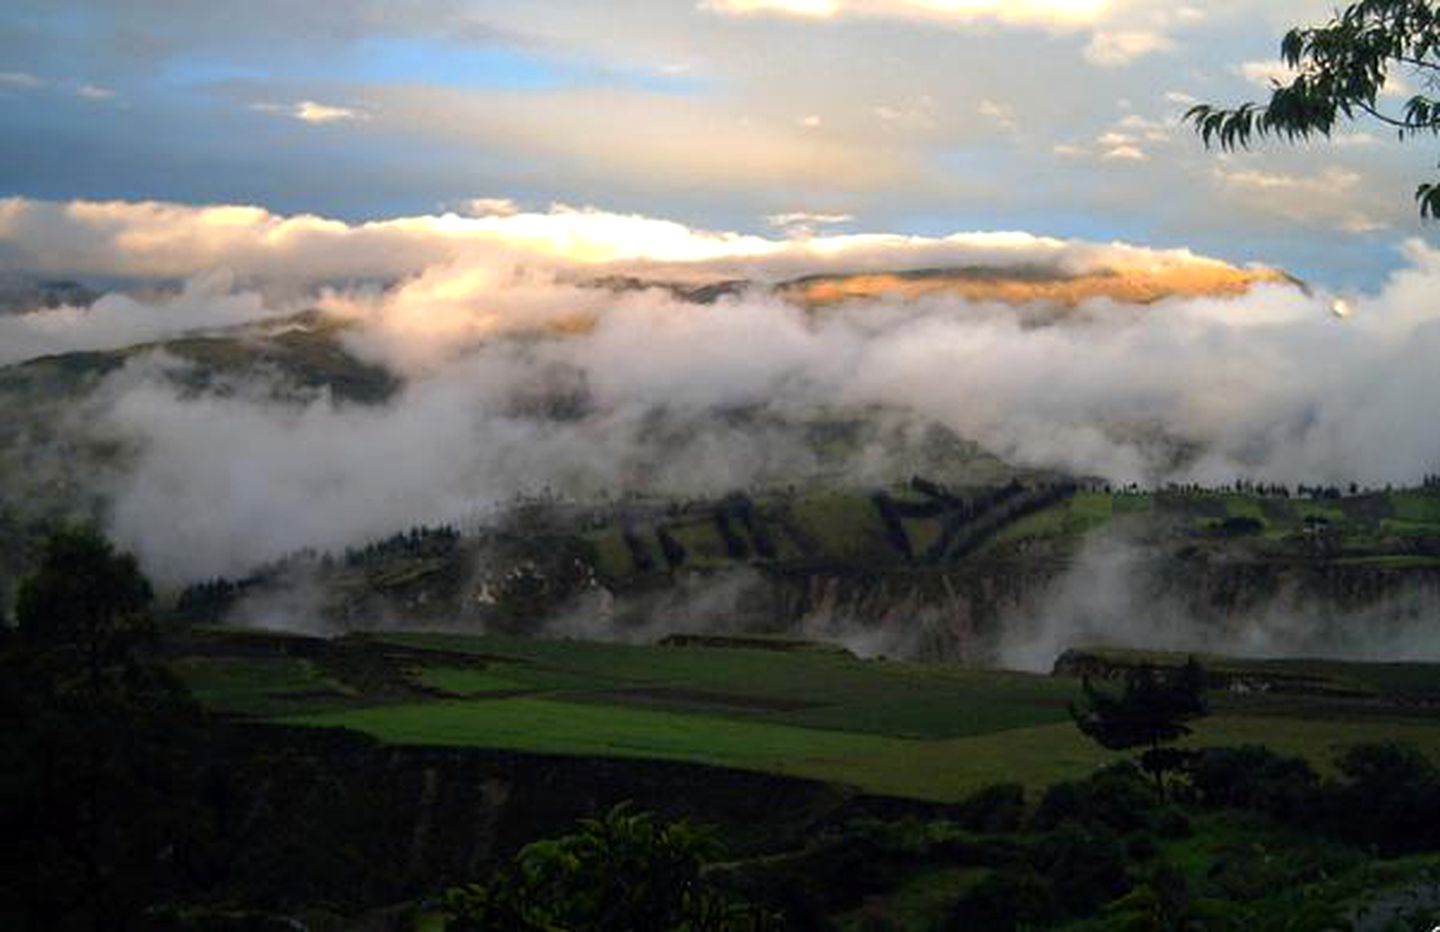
{"x": 305, "y": 816}
{"x": 967, "y": 611}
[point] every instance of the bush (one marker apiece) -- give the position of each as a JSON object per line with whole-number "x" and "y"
{"x": 998, "y": 808}
{"x": 621, "y": 872}
{"x": 1085, "y": 864}
{"x": 1172, "y": 823}
{"x": 1390, "y": 798}
{"x": 1006, "y": 900}
{"x": 1117, "y": 798}
{"x": 1255, "y": 778}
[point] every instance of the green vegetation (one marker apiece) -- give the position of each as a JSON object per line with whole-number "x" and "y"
{"x": 923, "y": 524}
{"x": 620, "y": 872}
{"x": 257, "y": 685}
{"x": 910, "y": 730}
{"x": 1035, "y": 825}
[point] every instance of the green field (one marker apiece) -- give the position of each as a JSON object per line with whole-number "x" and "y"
{"x": 926, "y": 732}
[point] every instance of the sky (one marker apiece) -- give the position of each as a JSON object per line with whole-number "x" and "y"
{"x": 763, "y": 117}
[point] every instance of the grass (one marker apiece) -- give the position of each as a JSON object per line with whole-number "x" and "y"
{"x": 258, "y": 685}
{"x": 925, "y": 732}
{"x": 559, "y": 727}
{"x": 467, "y": 681}
{"x": 845, "y": 527}
{"x": 814, "y": 689}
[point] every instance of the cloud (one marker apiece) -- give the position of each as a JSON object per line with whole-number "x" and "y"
{"x": 164, "y": 240}
{"x": 1333, "y": 195}
{"x": 19, "y": 81}
{"x": 919, "y": 114}
{"x": 1002, "y": 114}
{"x": 1010, "y": 12}
{"x": 491, "y": 207}
{"x": 656, "y": 142}
{"x": 1266, "y": 73}
{"x": 118, "y": 320}
{"x": 521, "y": 374}
{"x": 313, "y": 112}
{"x": 801, "y": 223}
{"x": 1124, "y": 152}
{"x": 94, "y": 92}
{"x": 1116, "y": 49}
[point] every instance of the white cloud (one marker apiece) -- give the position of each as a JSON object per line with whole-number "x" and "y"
{"x": 313, "y": 112}
{"x": 1267, "y": 73}
{"x": 918, "y": 114}
{"x": 804, "y": 224}
{"x": 1332, "y": 196}
{"x": 1002, "y": 114}
{"x": 94, "y": 92}
{"x": 310, "y": 111}
{"x": 1026, "y": 12}
{"x": 1265, "y": 384}
{"x": 1354, "y": 140}
{"x": 1114, "y": 49}
{"x": 491, "y": 207}
{"x": 19, "y": 81}
{"x": 162, "y": 240}
{"x": 1125, "y": 153}
{"x": 1330, "y": 180}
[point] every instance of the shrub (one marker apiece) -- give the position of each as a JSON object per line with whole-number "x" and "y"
{"x": 1255, "y": 778}
{"x": 998, "y": 808}
{"x": 1118, "y": 798}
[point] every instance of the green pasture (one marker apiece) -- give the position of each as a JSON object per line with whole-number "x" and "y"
{"x": 819, "y": 689}
{"x": 258, "y": 685}
{"x": 926, "y": 732}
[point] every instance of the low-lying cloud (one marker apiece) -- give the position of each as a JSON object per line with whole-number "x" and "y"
{"x": 1122, "y": 592}
{"x": 522, "y": 375}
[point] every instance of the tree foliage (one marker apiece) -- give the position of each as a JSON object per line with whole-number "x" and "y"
{"x": 1151, "y": 710}
{"x": 90, "y": 804}
{"x": 620, "y": 872}
{"x": 1342, "y": 68}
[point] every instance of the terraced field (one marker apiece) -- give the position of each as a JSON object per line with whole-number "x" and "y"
{"x": 925, "y": 524}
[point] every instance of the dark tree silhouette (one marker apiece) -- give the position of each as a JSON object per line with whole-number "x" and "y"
{"x": 1150, "y": 711}
{"x": 1342, "y": 67}
{"x": 90, "y": 803}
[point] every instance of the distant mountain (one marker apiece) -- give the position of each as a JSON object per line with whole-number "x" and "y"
{"x": 1045, "y": 286}
{"x": 20, "y": 294}
{"x": 1030, "y": 284}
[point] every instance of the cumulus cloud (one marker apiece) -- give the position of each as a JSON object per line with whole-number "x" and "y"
{"x": 163, "y": 240}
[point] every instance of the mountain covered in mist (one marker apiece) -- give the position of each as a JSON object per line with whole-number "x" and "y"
{"x": 710, "y": 426}
{"x": 857, "y": 522}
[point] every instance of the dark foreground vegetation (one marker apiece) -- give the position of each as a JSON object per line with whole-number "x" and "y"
{"x": 176, "y": 779}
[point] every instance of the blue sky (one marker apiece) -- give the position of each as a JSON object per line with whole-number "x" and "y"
{"x": 1051, "y": 116}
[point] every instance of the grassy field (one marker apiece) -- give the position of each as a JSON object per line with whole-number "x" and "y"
{"x": 259, "y": 685}
{"x": 927, "y": 732}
